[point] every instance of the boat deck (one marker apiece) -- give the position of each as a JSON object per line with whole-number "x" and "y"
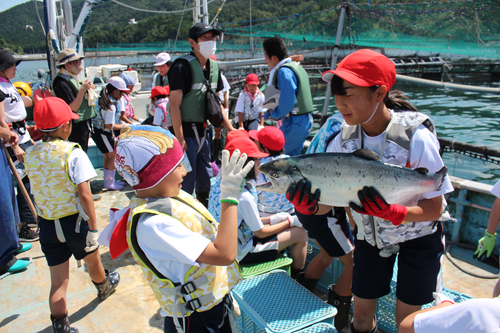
{"x": 133, "y": 308}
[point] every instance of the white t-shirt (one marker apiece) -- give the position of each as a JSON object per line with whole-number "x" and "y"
{"x": 227, "y": 87}
{"x": 80, "y": 168}
{"x": 424, "y": 152}
{"x": 496, "y": 189}
{"x": 480, "y": 315}
{"x": 109, "y": 115}
{"x": 14, "y": 108}
{"x": 247, "y": 211}
{"x": 240, "y": 104}
{"x": 170, "y": 246}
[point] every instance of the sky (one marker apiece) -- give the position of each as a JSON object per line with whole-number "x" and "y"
{"x": 6, "y": 4}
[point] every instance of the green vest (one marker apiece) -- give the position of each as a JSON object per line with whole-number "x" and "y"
{"x": 193, "y": 103}
{"x": 158, "y": 81}
{"x": 304, "y": 99}
{"x": 85, "y": 111}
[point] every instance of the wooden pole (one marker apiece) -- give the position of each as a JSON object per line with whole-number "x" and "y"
{"x": 20, "y": 182}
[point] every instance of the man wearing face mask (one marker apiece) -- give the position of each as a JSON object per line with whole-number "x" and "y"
{"x": 187, "y": 105}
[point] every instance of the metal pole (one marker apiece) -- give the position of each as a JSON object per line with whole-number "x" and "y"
{"x": 334, "y": 59}
{"x": 251, "y": 38}
{"x": 205, "y": 12}
{"x": 68, "y": 17}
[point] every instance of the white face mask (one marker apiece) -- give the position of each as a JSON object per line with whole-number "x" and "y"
{"x": 207, "y": 49}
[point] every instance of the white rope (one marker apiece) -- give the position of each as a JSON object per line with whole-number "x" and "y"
{"x": 39, "y": 20}
{"x": 158, "y": 11}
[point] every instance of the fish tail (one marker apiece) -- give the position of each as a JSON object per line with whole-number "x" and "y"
{"x": 441, "y": 175}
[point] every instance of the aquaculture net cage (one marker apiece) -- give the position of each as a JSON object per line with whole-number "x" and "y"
{"x": 471, "y": 162}
{"x": 460, "y": 27}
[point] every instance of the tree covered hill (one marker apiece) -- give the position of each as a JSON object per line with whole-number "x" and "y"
{"x": 108, "y": 22}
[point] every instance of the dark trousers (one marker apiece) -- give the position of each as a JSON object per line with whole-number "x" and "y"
{"x": 24, "y": 209}
{"x": 80, "y": 133}
{"x": 202, "y": 322}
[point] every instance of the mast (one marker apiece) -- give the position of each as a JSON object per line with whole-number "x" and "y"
{"x": 334, "y": 60}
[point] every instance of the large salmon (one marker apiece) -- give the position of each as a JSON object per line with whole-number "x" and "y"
{"x": 340, "y": 176}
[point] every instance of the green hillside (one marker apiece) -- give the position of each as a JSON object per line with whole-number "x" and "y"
{"x": 109, "y": 21}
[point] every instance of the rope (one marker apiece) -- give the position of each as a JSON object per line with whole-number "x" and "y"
{"x": 180, "y": 23}
{"x": 39, "y": 20}
{"x": 159, "y": 11}
{"x": 489, "y": 277}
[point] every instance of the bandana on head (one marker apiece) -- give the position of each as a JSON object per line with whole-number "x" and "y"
{"x": 144, "y": 155}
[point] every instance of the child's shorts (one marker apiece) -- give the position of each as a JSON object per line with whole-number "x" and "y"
{"x": 57, "y": 252}
{"x": 104, "y": 140}
{"x": 331, "y": 231}
{"x": 264, "y": 250}
{"x": 419, "y": 264}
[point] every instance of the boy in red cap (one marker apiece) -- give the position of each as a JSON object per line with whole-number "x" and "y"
{"x": 382, "y": 120}
{"x": 159, "y": 99}
{"x": 186, "y": 256}
{"x": 260, "y": 239}
{"x": 60, "y": 172}
{"x": 270, "y": 140}
{"x": 248, "y": 110}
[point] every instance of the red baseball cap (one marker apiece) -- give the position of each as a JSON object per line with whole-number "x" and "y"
{"x": 159, "y": 91}
{"x": 252, "y": 79}
{"x": 365, "y": 68}
{"x": 270, "y": 137}
{"x": 245, "y": 145}
{"x": 236, "y": 134}
{"x": 51, "y": 113}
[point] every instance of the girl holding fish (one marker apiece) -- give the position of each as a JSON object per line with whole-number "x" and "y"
{"x": 384, "y": 122}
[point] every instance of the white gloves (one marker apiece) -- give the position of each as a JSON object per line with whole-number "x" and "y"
{"x": 293, "y": 221}
{"x": 273, "y": 219}
{"x": 232, "y": 177}
{"x": 259, "y": 127}
{"x": 91, "y": 242}
{"x": 440, "y": 298}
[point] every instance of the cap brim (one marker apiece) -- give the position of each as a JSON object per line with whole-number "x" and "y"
{"x": 253, "y": 82}
{"x": 259, "y": 154}
{"x": 18, "y": 62}
{"x": 253, "y": 135}
{"x": 161, "y": 63}
{"x": 75, "y": 116}
{"x": 347, "y": 76}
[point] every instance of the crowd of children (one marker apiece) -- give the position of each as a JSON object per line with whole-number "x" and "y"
{"x": 189, "y": 253}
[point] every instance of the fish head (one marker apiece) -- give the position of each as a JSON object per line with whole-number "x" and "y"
{"x": 280, "y": 173}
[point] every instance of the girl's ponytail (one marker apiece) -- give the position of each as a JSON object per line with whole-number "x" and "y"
{"x": 397, "y": 100}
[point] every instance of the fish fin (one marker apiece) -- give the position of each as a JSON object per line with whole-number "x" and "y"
{"x": 422, "y": 171}
{"x": 367, "y": 154}
{"x": 442, "y": 173}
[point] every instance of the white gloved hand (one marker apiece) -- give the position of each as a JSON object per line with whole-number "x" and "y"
{"x": 233, "y": 173}
{"x": 280, "y": 217}
{"x": 91, "y": 242}
{"x": 440, "y": 298}
{"x": 259, "y": 127}
{"x": 294, "y": 221}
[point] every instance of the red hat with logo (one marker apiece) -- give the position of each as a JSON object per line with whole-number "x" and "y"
{"x": 365, "y": 68}
{"x": 252, "y": 79}
{"x": 159, "y": 91}
{"x": 270, "y": 137}
{"x": 245, "y": 145}
{"x": 51, "y": 113}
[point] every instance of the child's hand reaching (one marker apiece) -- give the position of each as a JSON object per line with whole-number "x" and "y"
{"x": 233, "y": 174}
